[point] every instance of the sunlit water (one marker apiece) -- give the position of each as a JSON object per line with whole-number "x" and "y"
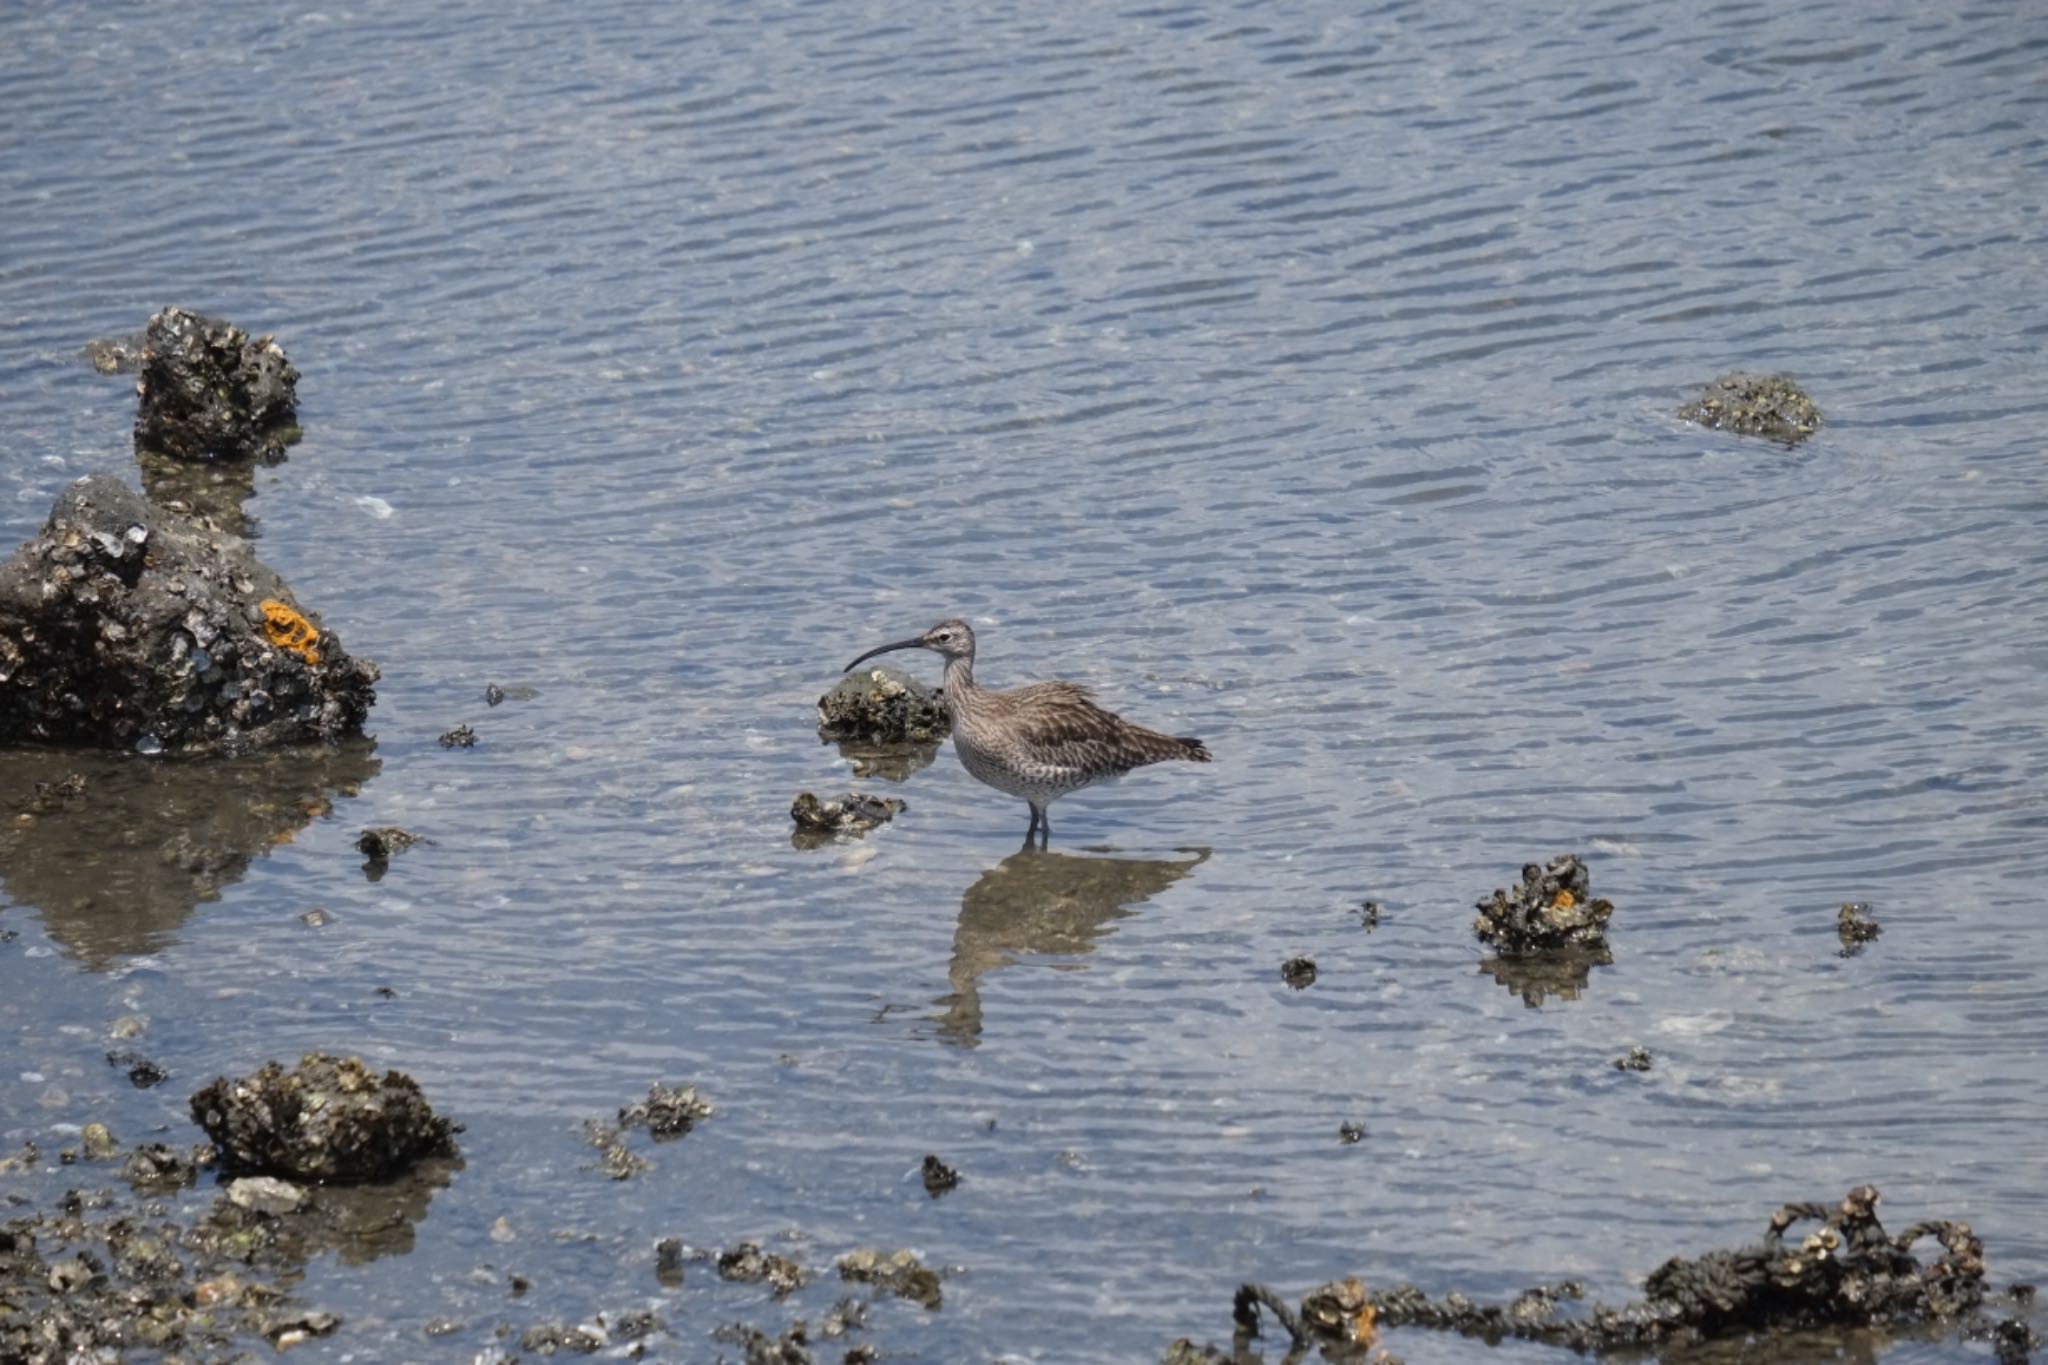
{"x": 1299, "y": 377}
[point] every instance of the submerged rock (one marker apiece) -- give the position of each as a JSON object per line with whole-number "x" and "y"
{"x": 327, "y": 1119}
{"x": 880, "y": 705}
{"x": 266, "y": 1194}
{"x": 381, "y": 844}
{"x": 1552, "y": 908}
{"x": 899, "y": 1273}
{"x": 667, "y": 1112}
{"x": 1846, "y": 1273}
{"x": 749, "y": 1264}
{"x": 823, "y": 821}
{"x": 1299, "y": 972}
{"x": 208, "y": 392}
{"x": 124, "y": 625}
{"x": 1855, "y": 926}
{"x": 1635, "y": 1059}
{"x": 1771, "y": 406}
{"x": 98, "y": 1143}
{"x": 116, "y": 355}
{"x": 615, "y": 1159}
{"x": 939, "y": 1178}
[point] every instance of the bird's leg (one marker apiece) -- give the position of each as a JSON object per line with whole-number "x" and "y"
{"x": 1045, "y": 828}
{"x": 1031, "y": 830}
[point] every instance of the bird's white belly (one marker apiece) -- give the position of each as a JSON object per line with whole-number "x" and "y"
{"x": 1036, "y": 782}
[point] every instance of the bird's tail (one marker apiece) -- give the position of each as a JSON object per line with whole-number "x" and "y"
{"x": 1153, "y": 747}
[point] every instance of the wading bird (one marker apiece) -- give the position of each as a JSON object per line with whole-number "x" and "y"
{"x": 1037, "y": 742}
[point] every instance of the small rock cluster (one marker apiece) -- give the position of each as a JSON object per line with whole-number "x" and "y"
{"x": 1770, "y": 406}
{"x": 851, "y": 814}
{"x": 667, "y": 1112}
{"x": 899, "y": 1273}
{"x": 1855, "y": 926}
{"x": 1847, "y": 1272}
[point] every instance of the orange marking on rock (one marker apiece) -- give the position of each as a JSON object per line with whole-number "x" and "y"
{"x": 287, "y": 630}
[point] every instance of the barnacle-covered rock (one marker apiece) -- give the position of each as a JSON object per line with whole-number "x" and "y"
{"x": 125, "y": 625}
{"x": 878, "y": 705}
{"x": 1770, "y": 406}
{"x": 667, "y": 1112}
{"x": 748, "y": 1264}
{"x": 209, "y": 392}
{"x": 1847, "y": 1272}
{"x": 899, "y": 1273}
{"x": 1855, "y": 926}
{"x": 821, "y": 821}
{"x": 327, "y": 1119}
{"x": 1552, "y": 908}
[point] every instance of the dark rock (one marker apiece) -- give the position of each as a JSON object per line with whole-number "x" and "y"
{"x": 819, "y": 822}
{"x": 878, "y": 705}
{"x": 156, "y": 1166}
{"x": 1771, "y": 406}
{"x": 749, "y": 1264}
{"x": 667, "y": 1112}
{"x": 461, "y": 737}
{"x": 791, "y": 1348}
{"x": 1350, "y": 1132}
{"x": 126, "y": 626}
{"x": 1369, "y": 913}
{"x": 379, "y": 845}
{"x": 1299, "y": 972}
{"x": 551, "y": 1338}
{"x": 208, "y": 392}
{"x": 142, "y": 1072}
{"x": 899, "y": 1273}
{"x": 327, "y": 1119}
{"x": 1552, "y": 908}
{"x": 1635, "y": 1059}
{"x": 939, "y": 1178}
{"x": 668, "y": 1262}
{"x": 1855, "y": 926}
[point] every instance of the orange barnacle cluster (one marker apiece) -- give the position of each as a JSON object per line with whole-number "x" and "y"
{"x": 1564, "y": 901}
{"x": 286, "y": 629}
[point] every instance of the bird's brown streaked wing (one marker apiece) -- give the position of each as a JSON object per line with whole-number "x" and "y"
{"x": 1060, "y": 724}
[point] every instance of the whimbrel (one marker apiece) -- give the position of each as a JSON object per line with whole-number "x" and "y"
{"x": 1037, "y": 742}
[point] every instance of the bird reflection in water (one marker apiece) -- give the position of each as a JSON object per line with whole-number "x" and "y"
{"x": 1035, "y": 904}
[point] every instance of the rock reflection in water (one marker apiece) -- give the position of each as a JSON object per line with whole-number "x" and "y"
{"x": 1043, "y": 904}
{"x": 893, "y": 762}
{"x": 1536, "y": 977}
{"x": 115, "y": 850}
{"x": 216, "y": 489}
{"x": 362, "y": 1223}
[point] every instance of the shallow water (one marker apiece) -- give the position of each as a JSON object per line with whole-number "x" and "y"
{"x": 1298, "y": 377}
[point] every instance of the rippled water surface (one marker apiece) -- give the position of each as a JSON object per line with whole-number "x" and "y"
{"x": 1299, "y": 376}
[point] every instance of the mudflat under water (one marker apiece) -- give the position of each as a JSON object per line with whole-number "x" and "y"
{"x": 1298, "y": 376}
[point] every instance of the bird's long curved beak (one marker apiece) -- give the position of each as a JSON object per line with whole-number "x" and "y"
{"x": 915, "y": 642}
